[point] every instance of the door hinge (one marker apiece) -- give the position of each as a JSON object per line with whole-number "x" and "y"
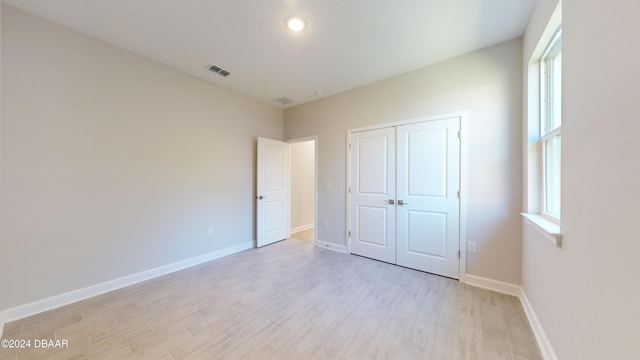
{"x": 349, "y": 189}
{"x": 458, "y": 194}
{"x": 458, "y": 254}
{"x": 349, "y": 233}
{"x": 349, "y": 146}
{"x": 459, "y": 134}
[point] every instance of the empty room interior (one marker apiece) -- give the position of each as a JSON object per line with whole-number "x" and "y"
{"x": 298, "y": 179}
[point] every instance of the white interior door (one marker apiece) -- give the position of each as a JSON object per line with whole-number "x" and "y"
{"x": 428, "y": 211}
{"x": 272, "y": 191}
{"x": 404, "y": 205}
{"x": 373, "y": 213}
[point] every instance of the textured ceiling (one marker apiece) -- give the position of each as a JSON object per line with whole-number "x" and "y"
{"x": 347, "y": 43}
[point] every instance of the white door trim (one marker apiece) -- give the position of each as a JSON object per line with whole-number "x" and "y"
{"x": 464, "y": 151}
{"x": 315, "y": 196}
{"x": 463, "y": 116}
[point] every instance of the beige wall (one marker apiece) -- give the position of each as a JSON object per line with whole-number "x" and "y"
{"x": 113, "y": 164}
{"x": 587, "y": 294}
{"x": 487, "y": 84}
{"x": 1, "y": 206}
{"x": 303, "y": 170}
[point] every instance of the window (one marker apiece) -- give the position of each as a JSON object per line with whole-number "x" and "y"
{"x": 543, "y": 121}
{"x": 551, "y": 126}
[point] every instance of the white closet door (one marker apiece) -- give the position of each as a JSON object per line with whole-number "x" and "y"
{"x": 372, "y": 212}
{"x": 428, "y": 210}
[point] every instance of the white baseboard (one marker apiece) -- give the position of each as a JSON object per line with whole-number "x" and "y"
{"x": 36, "y": 307}
{"x": 302, "y": 228}
{"x": 495, "y": 285}
{"x": 538, "y": 331}
{"x": 331, "y": 246}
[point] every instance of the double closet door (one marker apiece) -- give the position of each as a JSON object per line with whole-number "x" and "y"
{"x": 404, "y": 195}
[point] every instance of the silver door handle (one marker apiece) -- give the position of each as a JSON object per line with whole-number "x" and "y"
{"x": 400, "y": 202}
{"x": 260, "y": 197}
{"x": 390, "y": 201}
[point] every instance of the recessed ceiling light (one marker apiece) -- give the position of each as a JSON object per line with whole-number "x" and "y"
{"x": 296, "y": 24}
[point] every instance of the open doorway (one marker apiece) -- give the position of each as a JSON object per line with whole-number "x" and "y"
{"x": 303, "y": 188}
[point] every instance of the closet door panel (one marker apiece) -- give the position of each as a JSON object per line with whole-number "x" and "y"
{"x": 373, "y": 187}
{"x": 428, "y": 211}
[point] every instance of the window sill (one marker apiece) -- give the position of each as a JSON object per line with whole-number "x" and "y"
{"x": 548, "y": 229}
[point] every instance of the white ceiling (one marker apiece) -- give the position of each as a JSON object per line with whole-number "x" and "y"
{"x": 347, "y": 43}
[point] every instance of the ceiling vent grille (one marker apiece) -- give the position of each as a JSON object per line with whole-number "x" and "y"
{"x": 284, "y": 100}
{"x": 218, "y": 70}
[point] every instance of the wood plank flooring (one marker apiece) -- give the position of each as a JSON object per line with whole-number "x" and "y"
{"x": 289, "y": 300}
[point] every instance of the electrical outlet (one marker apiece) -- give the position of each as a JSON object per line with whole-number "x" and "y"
{"x": 210, "y": 231}
{"x": 325, "y": 223}
{"x": 472, "y": 247}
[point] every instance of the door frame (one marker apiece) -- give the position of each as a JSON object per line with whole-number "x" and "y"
{"x": 315, "y": 189}
{"x": 462, "y": 227}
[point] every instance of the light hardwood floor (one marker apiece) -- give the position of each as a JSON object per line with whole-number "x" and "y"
{"x": 289, "y": 300}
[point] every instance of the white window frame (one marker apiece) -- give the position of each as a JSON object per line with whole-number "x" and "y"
{"x": 535, "y": 133}
{"x": 547, "y": 107}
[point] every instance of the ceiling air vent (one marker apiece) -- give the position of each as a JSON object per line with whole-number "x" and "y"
{"x": 218, "y": 70}
{"x": 284, "y": 100}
